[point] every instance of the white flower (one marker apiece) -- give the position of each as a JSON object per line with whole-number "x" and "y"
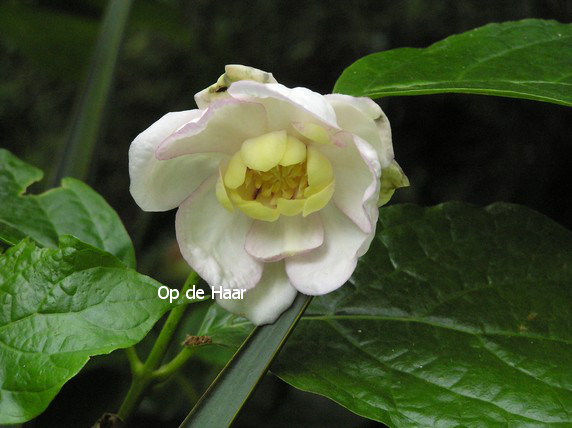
{"x": 277, "y": 187}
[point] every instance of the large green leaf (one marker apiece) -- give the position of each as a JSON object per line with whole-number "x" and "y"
{"x": 458, "y": 316}
{"x": 525, "y": 59}
{"x": 59, "y": 307}
{"x": 73, "y": 209}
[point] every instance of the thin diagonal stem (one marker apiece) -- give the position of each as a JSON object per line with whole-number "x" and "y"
{"x": 144, "y": 374}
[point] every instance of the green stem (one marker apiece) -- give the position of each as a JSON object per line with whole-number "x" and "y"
{"x": 134, "y": 361}
{"x": 187, "y": 387}
{"x": 175, "y": 364}
{"x": 144, "y": 373}
{"x": 138, "y": 386}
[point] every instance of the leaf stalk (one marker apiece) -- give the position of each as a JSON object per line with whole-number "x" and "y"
{"x": 144, "y": 374}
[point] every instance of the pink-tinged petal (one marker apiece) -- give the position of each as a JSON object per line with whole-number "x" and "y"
{"x": 212, "y": 239}
{"x": 156, "y": 185}
{"x": 286, "y": 105}
{"x": 221, "y": 129}
{"x": 328, "y": 267}
{"x": 264, "y": 303}
{"x": 288, "y": 236}
{"x": 357, "y": 172}
{"x": 363, "y": 117}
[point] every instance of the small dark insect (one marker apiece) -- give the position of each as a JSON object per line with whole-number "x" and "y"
{"x": 197, "y": 340}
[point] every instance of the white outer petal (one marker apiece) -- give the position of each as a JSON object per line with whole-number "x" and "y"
{"x": 286, "y": 105}
{"x": 288, "y": 236}
{"x": 363, "y": 117}
{"x": 155, "y": 184}
{"x": 221, "y": 129}
{"x": 212, "y": 239}
{"x": 265, "y": 302}
{"x": 357, "y": 172}
{"x": 328, "y": 267}
{"x": 364, "y": 105}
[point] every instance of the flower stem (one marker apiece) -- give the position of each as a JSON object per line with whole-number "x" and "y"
{"x": 172, "y": 366}
{"x": 134, "y": 362}
{"x": 143, "y": 374}
{"x": 187, "y": 387}
{"x": 134, "y": 395}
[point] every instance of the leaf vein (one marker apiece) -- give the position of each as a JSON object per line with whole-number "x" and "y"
{"x": 375, "y": 358}
{"x": 350, "y": 317}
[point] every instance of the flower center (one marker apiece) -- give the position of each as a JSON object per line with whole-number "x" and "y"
{"x": 276, "y": 174}
{"x": 287, "y": 182}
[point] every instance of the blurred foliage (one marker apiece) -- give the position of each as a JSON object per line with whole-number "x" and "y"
{"x": 453, "y": 147}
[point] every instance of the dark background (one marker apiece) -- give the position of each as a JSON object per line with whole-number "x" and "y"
{"x": 453, "y": 147}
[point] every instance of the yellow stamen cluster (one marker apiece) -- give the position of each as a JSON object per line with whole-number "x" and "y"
{"x": 288, "y": 182}
{"x": 276, "y": 174}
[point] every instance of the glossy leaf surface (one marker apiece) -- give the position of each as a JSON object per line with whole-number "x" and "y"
{"x": 59, "y": 307}
{"x": 73, "y": 209}
{"x": 524, "y": 59}
{"x": 457, "y": 316}
{"x": 223, "y": 327}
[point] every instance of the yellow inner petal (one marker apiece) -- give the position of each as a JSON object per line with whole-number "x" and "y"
{"x": 295, "y": 152}
{"x": 320, "y": 172}
{"x": 314, "y": 133}
{"x": 264, "y": 152}
{"x": 290, "y": 207}
{"x": 318, "y": 200}
{"x": 221, "y": 193}
{"x": 259, "y": 211}
{"x": 235, "y": 172}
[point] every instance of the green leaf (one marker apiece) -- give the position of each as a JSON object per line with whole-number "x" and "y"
{"x": 73, "y": 209}
{"x": 236, "y": 382}
{"x": 223, "y": 327}
{"x": 87, "y": 121}
{"x": 525, "y": 59}
{"x": 457, "y": 316}
{"x": 59, "y": 307}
